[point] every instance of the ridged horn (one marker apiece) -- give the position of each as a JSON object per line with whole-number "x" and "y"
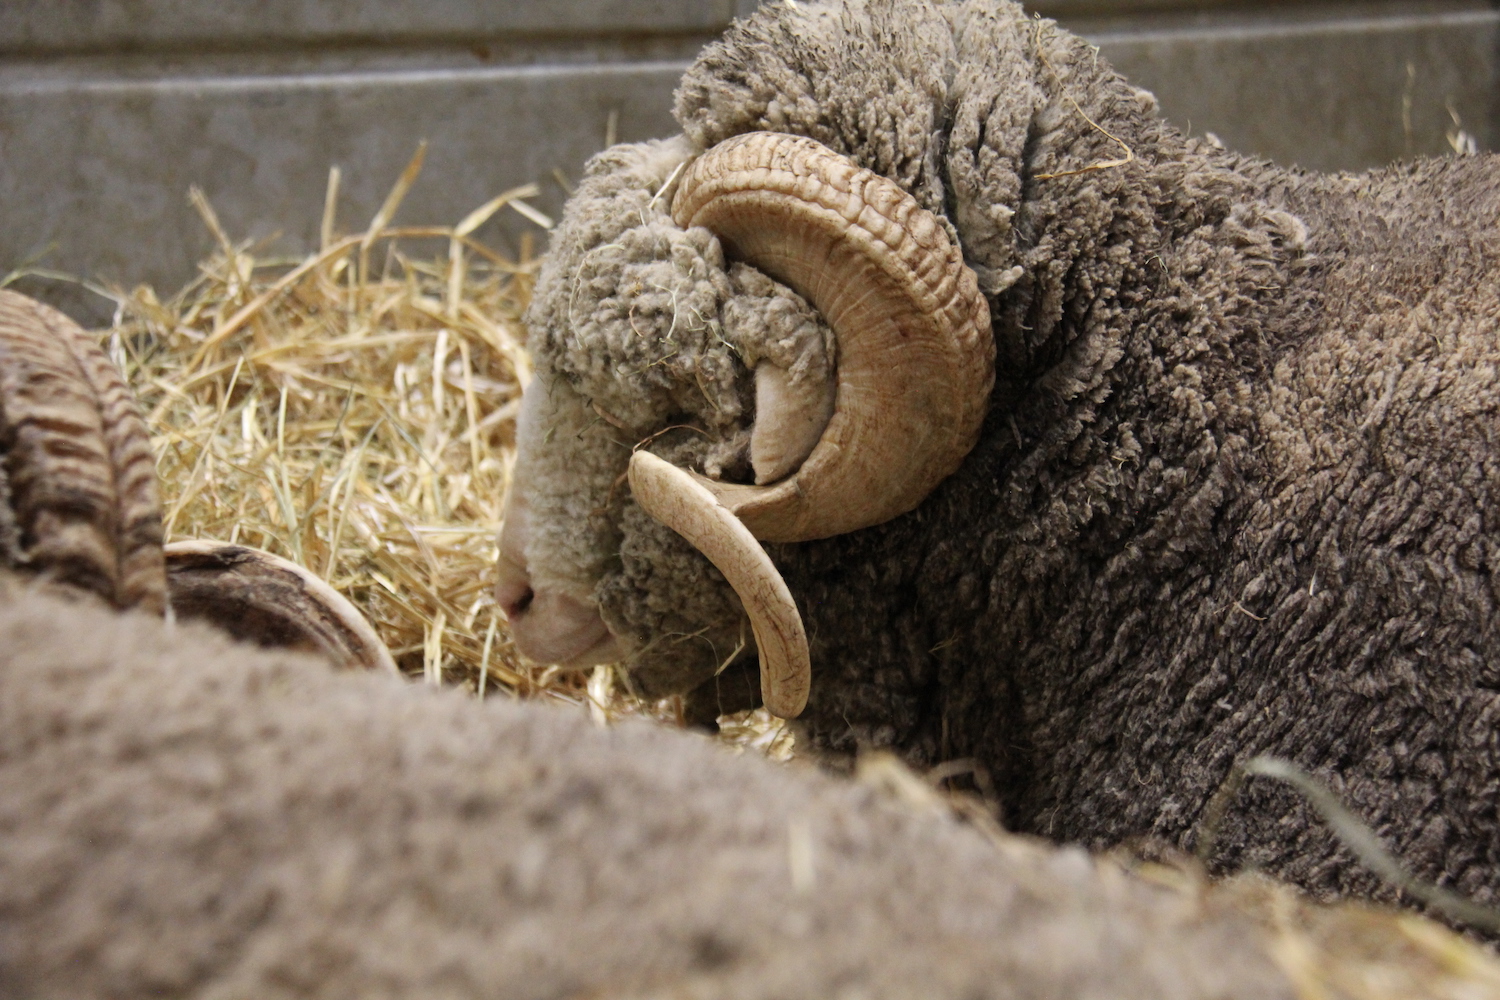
{"x": 915, "y": 358}
{"x": 78, "y": 501}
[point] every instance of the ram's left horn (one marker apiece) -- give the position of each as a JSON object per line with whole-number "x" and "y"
{"x": 681, "y": 502}
{"x": 78, "y": 503}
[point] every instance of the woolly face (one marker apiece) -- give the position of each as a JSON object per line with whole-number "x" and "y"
{"x": 825, "y": 383}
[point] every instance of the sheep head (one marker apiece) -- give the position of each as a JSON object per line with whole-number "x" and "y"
{"x": 907, "y": 372}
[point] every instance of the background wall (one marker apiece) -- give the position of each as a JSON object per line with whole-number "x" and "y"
{"x": 111, "y": 109}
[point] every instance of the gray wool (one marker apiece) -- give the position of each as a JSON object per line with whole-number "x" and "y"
{"x": 647, "y": 320}
{"x": 1236, "y": 487}
{"x": 767, "y": 321}
{"x": 181, "y": 816}
{"x": 685, "y": 619}
{"x": 627, "y": 305}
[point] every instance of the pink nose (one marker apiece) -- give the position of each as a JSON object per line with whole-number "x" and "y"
{"x": 514, "y": 595}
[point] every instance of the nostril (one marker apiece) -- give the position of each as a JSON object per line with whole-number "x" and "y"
{"x": 516, "y": 601}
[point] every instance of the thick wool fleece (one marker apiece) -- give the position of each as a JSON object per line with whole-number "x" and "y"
{"x": 184, "y": 817}
{"x": 1237, "y": 489}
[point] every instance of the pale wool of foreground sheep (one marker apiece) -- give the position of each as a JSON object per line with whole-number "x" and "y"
{"x": 1236, "y": 493}
{"x": 181, "y": 816}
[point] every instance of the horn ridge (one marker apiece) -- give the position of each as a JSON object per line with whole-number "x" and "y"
{"x": 915, "y": 350}
{"x": 900, "y": 236}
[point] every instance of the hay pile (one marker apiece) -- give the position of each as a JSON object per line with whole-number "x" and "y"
{"x": 354, "y": 411}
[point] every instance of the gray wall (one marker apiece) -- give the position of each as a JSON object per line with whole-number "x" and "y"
{"x": 111, "y": 109}
{"x": 1328, "y": 86}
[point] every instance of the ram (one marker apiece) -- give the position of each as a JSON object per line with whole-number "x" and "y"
{"x": 1009, "y": 424}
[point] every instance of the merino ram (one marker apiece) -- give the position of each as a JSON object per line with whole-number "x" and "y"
{"x": 1079, "y": 448}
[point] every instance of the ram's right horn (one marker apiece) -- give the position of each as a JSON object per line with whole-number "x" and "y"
{"x": 915, "y": 357}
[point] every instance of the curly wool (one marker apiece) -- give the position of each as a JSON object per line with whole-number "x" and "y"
{"x": 632, "y": 310}
{"x": 180, "y": 816}
{"x": 647, "y": 320}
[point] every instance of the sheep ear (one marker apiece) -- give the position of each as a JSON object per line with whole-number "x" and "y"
{"x": 790, "y": 415}
{"x": 78, "y": 503}
{"x": 683, "y": 503}
{"x": 264, "y": 599}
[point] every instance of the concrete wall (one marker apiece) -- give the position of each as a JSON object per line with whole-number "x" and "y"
{"x": 59, "y": 26}
{"x": 111, "y": 109}
{"x": 1327, "y": 86}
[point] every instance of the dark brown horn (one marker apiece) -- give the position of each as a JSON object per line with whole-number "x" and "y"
{"x": 261, "y": 598}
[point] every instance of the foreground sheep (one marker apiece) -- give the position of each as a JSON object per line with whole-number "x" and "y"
{"x": 1232, "y": 493}
{"x": 180, "y": 816}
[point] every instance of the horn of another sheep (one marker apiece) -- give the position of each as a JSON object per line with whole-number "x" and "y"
{"x": 681, "y": 502}
{"x": 78, "y": 502}
{"x": 269, "y": 601}
{"x": 915, "y": 352}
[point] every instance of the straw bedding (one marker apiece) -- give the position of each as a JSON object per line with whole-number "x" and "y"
{"x": 355, "y": 413}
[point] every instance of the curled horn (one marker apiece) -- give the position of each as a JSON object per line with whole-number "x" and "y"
{"x": 915, "y": 353}
{"x": 262, "y": 598}
{"x": 682, "y": 503}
